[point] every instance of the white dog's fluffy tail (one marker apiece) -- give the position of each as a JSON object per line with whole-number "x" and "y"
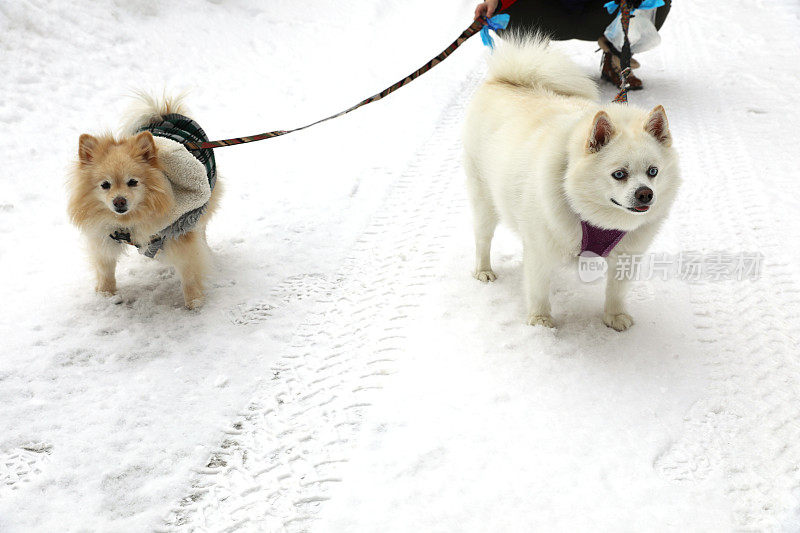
{"x": 528, "y": 61}
{"x": 147, "y": 108}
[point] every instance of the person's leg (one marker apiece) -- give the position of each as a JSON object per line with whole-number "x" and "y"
{"x": 661, "y": 14}
{"x": 610, "y": 67}
{"x": 585, "y": 20}
{"x": 560, "y": 20}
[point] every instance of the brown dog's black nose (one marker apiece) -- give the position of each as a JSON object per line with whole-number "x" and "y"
{"x": 120, "y": 203}
{"x": 644, "y": 195}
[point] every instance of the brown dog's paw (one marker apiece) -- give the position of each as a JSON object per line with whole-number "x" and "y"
{"x": 195, "y": 303}
{"x": 106, "y": 289}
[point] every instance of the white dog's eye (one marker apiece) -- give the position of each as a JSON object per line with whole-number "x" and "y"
{"x": 619, "y": 174}
{"x": 132, "y": 183}
{"x": 652, "y": 171}
{"x": 105, "y": 185}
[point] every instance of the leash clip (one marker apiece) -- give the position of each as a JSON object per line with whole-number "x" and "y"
{"x": 121, "y": 237}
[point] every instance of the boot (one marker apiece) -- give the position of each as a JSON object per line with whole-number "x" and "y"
{"x": 610, "y": 67}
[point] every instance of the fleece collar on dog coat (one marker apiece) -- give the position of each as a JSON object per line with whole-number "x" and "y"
{"x": 598, "y": 240}
{"x": 192, "y": 175}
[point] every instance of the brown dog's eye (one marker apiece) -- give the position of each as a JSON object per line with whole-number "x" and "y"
{"x": 105, "y": 185}
{"x": 132, "y": 183}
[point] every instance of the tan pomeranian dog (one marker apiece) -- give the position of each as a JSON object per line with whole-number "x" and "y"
{"x": 136, "y": 189}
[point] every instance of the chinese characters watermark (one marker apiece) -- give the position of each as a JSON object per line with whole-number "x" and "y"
{"x": 692, "y": 267}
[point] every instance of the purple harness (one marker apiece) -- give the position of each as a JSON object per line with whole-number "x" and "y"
{"x": 598, "y": 240}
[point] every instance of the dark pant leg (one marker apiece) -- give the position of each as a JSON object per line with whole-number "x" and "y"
{"x": 560, "y": 23}
{"x": 661, "y": 14}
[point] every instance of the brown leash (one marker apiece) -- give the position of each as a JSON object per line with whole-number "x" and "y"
{"x": 474, "y": 28}
{"x": 625, "y": 54}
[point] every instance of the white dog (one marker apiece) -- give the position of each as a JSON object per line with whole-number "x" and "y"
{"x": 565, "y": 173}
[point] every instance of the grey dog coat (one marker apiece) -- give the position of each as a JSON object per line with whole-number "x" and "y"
{"x": 192, "y": 175}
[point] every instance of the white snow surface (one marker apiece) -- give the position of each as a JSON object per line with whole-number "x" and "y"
{"x": 347, "y": 373}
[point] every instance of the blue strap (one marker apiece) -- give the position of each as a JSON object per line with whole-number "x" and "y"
{"x": 497, "y": 22}
{"x": 646, "y": 4}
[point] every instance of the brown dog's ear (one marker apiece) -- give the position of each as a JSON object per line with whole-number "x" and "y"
{"x": 657, "y": 125}
{"x": 145, "y": 146}
{"x": 602, "y": 131}
{"x": 86, "y": 147}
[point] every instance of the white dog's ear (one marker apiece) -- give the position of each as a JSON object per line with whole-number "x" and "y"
{"x": 145, "y": 146}
{"x": 86, "y": 148}
{"x": 602, "y": 131}
{"x": 657, "y": 125}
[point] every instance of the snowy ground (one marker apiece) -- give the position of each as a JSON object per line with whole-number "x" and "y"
{"x": 347, "y": 373}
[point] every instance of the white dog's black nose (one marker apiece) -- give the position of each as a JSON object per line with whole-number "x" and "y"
{"x": 644, "y": 195}
{"x": 120, "y": 204}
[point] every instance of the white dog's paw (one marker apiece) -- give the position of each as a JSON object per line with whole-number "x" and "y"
{"x": 619, "y": 322}
{"x": 541, "y": 320}
{"x": 485, "y": 275}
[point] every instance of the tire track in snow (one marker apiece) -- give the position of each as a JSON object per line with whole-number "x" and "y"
{"x": 291, "y": 290}
{"x": 272, "y": 469}
{"x": 21, "y": 465}
{"x": 747, "y": 430}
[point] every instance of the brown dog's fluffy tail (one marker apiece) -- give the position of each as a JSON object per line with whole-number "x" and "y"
{"x": 147, "y": 108}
